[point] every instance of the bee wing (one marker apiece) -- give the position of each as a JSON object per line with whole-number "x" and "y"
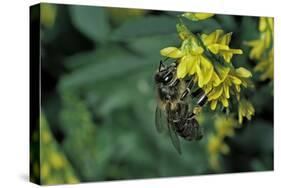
{"x": 174, "y": 137}
{"x": 160, "y": 120}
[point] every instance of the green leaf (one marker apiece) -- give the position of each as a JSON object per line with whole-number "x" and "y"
{"x": 227, "y": 22}
{"x": 153, "y": 44}
{"x": 204, "y": 26}
{"x": 92, "y": 57}
{"x": 105, "y": 68}
{"x": 144, "y": 27}
{"x": 91, "y": 21}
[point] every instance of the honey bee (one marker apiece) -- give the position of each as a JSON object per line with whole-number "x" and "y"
{"x": 176, "y": 109}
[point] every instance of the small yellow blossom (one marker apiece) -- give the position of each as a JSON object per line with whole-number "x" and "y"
{"x": 48, "y": 14}
{"x": 258, "y": 46}
{"x": 118, "y": 16}
{"x": 197, "y": 16}
{"x": 225, "y": 126}
{"x": 266, "y": 66}
{"x": 45, "y": 170}
{"x": 215, "y": 147}
{"x": 191, "y": 61}
{"x": 262, "y": 49}
{"x": 245, "y": 109}
{"x": 218, "y": 43}
{"x": 56, "y": 160}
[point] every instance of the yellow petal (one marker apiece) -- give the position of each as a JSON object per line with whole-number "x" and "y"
{"x": 222, "y": 71}
{"x": 215, "y": 93}
{"x": 207, "y": 69}
{"x": 207, "y": 88}
{"x": 182, "y": 68}
{"x": 48, "y": 14}
{"x": 194, "y": 48}
{"x": 242, "y": 72}
{"x": 197, "y": 16}
{"x": 262, "y": 24}
{"x": 216, "y": 80}
{"x": 214, "y": 48}
{"x": 235, "y": 80}
{"x": 226, "y": 39}
{"x": 214, "y": 104}
{"x": 224, "y": 102}
{"x": 236, "y": 51}
{"x": 252, "y": 43}
{"x": 270, "y": 23}
{"x": 212, "y": 38}
{"x": 226, "y": 91}
{"x": 191, "y": 64}
{"x": 237, "y": 87}
{"x": 267, "y": 38}
{"x": 200, "y": 75}
{"x": 171, "y": 52}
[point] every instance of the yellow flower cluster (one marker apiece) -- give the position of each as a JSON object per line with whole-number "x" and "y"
{"x": 224, "y": 127}
{"x": 54, "y": 167}
{"x": 230, "y": 81}
{"x": 262, "y": 49}
{"x": 245, "y": 109}
{"x": 218, "y": 79}
{"x": 266, "y": 66}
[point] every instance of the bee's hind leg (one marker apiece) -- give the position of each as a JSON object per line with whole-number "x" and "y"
{"x": 202, "y": 99}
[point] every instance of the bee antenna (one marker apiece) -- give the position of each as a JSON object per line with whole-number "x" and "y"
{"x": 161, "y": 64}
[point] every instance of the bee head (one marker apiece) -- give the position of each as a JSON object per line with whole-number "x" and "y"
{"x": 165, "y": 74}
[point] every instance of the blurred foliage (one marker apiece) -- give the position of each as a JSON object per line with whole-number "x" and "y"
{"x": 98, "y": 98}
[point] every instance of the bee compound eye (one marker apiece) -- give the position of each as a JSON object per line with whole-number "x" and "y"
{"x": 167, "y": 78}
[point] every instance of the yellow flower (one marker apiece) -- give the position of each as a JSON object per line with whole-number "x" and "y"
{"x": 266, "y": 66}
{"x": 45, "y": 170}
{"x": 57, "y": 160}
{"x": 215, "y": 147}
{"x": 262, "y": 49}
{"x": 118, "y": 16}
{"x": 48, "y": 14}
{"x": 225, "y": 126}
{"x": 191, "y": 61}
{"x": 259, "y": 46}
{"x": 229, "y": 81}
{"x": 245, "y": 109}
{"x": 218, "y": 43}
{"x": 197, "y": 16}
